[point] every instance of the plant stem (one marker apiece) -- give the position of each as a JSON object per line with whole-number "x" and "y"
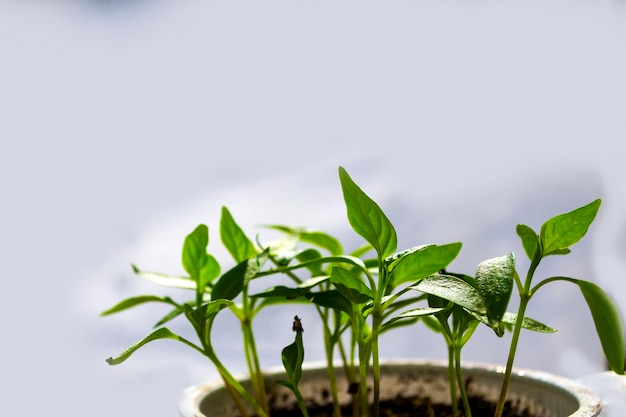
{"x": 461, "y": 382}
{"x": 376, "y": 322}
{"x": 229, "y": 381}
{"x": 451, "y": 379}
{"x": 236, "y": 385}
{"x": 256, "y": 374}
{"x": 363, "y": 366}
{"x": 329, "y": 348}
{"x": 524, "y": 299}
{"x": 300, "y": 399}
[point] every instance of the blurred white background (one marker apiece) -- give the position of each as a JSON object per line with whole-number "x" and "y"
{"x": 124, "y": 124}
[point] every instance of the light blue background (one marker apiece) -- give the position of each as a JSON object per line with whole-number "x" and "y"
{"x": 125, "y": 124}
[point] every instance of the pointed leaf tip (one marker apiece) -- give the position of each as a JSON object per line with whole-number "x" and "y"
{"x": 366, "y": 217}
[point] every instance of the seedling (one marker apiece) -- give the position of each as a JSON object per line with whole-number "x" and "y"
{"x": 360, "y": 295}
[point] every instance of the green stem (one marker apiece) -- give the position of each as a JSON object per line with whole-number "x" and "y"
{"x": 451, "y": 379}
{"x": 254, "y": 366}
{"x": 461, "y": 382}
{"x": 329, "y": 348}
{"x": 525, "y": 296}
{"x": 229, "y": 381}
{"x": 300, "y": 399}
{"x": 376, "y": 322}
{"x": 236, "y": 385}
{"x": 363, "y": 366}
{"x": 252, "y": 357}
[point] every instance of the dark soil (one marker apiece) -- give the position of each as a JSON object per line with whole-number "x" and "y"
{"x": 408, "y": 407}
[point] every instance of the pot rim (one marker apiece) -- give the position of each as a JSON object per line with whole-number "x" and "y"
{"x": 590, "y": 402}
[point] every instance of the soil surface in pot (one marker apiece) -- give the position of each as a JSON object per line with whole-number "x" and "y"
{"x": 412, "y": 407}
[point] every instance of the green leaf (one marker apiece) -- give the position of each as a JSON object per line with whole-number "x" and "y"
{"x": 302, "y": 289}
{"x": 322, "y": 240}
{"x": 350, "y": 285}
{"x": 231, "y": 283}
{"x": 209, "y": 271}
{"x": 608, "y": 322}
{"x": 415, "y": 313}
{"x": 134, "y": 301}
{"x": 162, "y": 333}
{"x": 215, "y": 306}
{"x": 310, "y": 255}
{"x": 284, "y": 249}
{"x": 166, "y": 280}
{"x": 508, "y": 321}
{"x": 332, "y": 299}
{"x": 362, "y": 250}
{"x": 234, "y": 239}
{"x": 530, "y": 240}
{"x": 194, "y": 251}
{"x": 422, "y": 261}
{"x": 366, "y": 217}
{"x": 494, "y": 281}
{"x": 527, "y": 323}
{"x": 317, "y": 238}
{"x": 564, "y": 230}
{"x": 293, "y": 357}
{"x": 452, "y": 289}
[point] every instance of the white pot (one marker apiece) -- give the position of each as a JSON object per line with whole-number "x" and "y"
{"x": 545, "y": 395}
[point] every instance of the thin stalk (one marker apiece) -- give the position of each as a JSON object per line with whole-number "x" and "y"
{"x": 236, "y": 385}
{"x": 376, "y": 322}
{"x": 461, "y": 382}
{"x": 229, "y": 381}
{"x": 377, "y": 317}
{"x": 363, "y": 395}
{"x": 252, "y": 357}
{"x": 236, "y": 398}
{"x": 451, "y": 380}
{"x": 300, "y": 399}
{"x": 256, "y": 374}
{"x": 525, "y": 296}
{"x": 329, "y": 348}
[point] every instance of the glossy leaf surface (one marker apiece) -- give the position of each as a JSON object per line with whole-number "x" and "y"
{"x": 608, "y": 322}
{"x": 530, "y": 240}
{"x": 162, "y": 333}
{"x": 293, "y": 357}
{"x": 350, "y": 285}
{"x": 367, "y": 218}
{"x": 314, "y": 237}
{"x": 166, "y": 280}
{"x": 564, "y": 230}
{"x": 494, "y": 281}
{"x": 134, "y": 301}
{"x": 424, "y": 261}
{"x": 452, "y": 289}
{"x": 234, "y": 239}
{"x": 194, "y": 251}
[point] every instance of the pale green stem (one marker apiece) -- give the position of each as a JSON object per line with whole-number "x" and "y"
{"x": 363, "y": 395}
{"x": 329, "y": 347}
{"x": 376, "y": 322}
{"x": 524, "y": 299}
{"x": 461, "y": 382}
{"x": 300, "y": 399}
{"x": 451, "y": 379}
{"x": 229, "y": 381}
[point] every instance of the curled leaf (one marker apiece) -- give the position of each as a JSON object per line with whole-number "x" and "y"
{"x": 494, "y": 281}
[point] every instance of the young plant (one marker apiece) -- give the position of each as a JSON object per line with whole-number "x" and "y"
{"x": 556, "y": 237}
{"x": 360, "y": 296}
{"x": 365, "y": 294}
{"x": 466, "y": 307}
{"x": 293, "y": 357}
